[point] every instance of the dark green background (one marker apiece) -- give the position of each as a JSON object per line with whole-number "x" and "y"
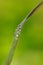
{"x": 29, "y": 50}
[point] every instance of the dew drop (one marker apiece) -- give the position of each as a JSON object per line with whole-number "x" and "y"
{"x": 16, "y": 35}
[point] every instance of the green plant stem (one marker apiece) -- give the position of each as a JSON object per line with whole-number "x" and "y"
{"x": 17, "y": 34}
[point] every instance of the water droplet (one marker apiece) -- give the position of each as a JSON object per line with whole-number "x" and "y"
{"x": 16, "y": 35}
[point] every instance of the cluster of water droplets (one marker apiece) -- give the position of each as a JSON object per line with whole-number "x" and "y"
{"x": 17, "y": 31}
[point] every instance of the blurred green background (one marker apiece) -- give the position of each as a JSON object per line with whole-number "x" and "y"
{"x": 29, "y": 50}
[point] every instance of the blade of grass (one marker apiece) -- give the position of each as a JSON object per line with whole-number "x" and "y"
{"x": 17, "y": 34}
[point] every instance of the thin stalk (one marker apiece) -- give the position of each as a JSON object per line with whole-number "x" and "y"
{"x": 17, "y": 34}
